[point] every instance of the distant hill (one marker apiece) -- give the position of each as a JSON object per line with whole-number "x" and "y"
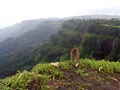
{"x": 28, "y": 25}
{"x": 88, "y": 17}
{"x": 31, "y": 38}
{"x": 20, "y": 28}
{"x": 10, "y": 48}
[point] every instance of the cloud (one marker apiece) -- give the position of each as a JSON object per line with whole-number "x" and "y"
{"x": 12, "y": 11}
{"x": 107, "y": 11}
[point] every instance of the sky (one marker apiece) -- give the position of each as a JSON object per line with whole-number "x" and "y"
{"x": 13, "y": 11}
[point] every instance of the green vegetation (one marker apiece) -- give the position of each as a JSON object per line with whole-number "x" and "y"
{"x": 81, "y": 73}
{"x": 107, "y": 25}
{"x": 99, "y": 39}
{"x": 23, "y": 81}
{"x": 49, "y": 70}
{"x": 66, "y": 65}
{"x": 106, "y": 66}
{"x": 42, "y": 74}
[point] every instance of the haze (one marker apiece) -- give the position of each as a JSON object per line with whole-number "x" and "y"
{"x": 13, "y": 11}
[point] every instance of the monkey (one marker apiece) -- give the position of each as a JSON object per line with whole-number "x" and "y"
{"x": 74, "y": 54}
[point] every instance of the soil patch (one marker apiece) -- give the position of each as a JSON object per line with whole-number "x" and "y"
{"x": 94, "y": 80}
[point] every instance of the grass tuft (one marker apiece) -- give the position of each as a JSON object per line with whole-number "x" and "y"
{"x": 23, "y": 81}
{"x": 106, "y": 66}
{"x": 47, "y": 69}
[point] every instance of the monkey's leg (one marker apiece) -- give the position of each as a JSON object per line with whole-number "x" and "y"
{"x": 71, "y": 58}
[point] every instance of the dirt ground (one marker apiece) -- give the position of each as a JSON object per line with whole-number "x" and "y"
{"x": 95, "y": 80}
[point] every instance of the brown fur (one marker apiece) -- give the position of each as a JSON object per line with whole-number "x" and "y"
{"x": 74, "y": 54}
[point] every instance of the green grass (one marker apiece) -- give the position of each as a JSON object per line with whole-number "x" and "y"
{"x": 41, "y": 74}
{"x": 49, "y": 70}
{"x": 23, "y": 81}
{"x": 82, "y": 73}
{"x": 66, "y": 65}
{"x": 106, "y": 66}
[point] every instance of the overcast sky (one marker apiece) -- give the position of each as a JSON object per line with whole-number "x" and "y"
{"x": 13, "y": 11}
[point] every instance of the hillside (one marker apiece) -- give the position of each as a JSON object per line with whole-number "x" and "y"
{"x": 95, "y": 39}
{"x": 99, "y": 38}
{"x": 20, "y": 28}
{"x": 13, "y": 50}
{"x": 83, "y": 75}
{"x": 29, "y": 39}
{"x": 29, "y": 25}
{"x": 91, "y": 17}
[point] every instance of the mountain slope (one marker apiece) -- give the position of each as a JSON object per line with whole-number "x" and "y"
{"x": 91, "y": 17}
{"x": 85, "y": 75}
{"x": 95, "y": 39}
{"x": 13, "y": 51}
{"x": 92, "y": 37}
{"x": 28, "y": 25}
{"x": 20, "y": 28}
{"x": 29, "y": 39}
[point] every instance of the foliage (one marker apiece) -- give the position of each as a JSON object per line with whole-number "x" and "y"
{"x": 105, "y": 66}
{"x": 47, "y": 69}
{"x": 41, "y": 74}
{"x": 81, "y": 73}
{"x": 66, "y": 65}
{"x": 51, "y": 42}
{"x": 23, "y": 81}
